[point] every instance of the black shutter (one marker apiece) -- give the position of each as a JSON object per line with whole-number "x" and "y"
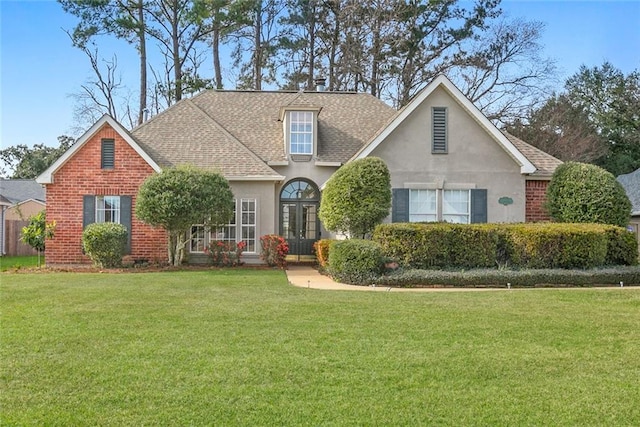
{"x": 125, "y": 219}
{"x": 478, "y": 206}
{"x": 88, "y": 210}
{"x": 439, "y": 117}
{"x": 400, "y": 207}
{"x": 108, "y": 154}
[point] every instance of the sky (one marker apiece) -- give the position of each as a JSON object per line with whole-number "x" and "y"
{"x": 39, "y": 68}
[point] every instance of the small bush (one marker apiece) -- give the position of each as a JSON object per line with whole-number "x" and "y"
{"x": 355, "y": 261}
{"x": 224, "y": 253}
{"x": 321, "y": 248}
{"x": 105, "y": 243}
{"x": 274, "y": 250}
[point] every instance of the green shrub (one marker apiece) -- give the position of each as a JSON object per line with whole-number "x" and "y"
{"x": 622, "y": 247}
{"x": 585, "y": 193}
{"x": 105, "y": 243}
{"x": 415, "y": 245}
{"x": 630, "y": 276}
{"x": 473, "y": 246}
{"x": 357, "y": 197}
{"x": 557, "y": 245}
{"x": 274, "y": 250}
{"x": 355, "y": 261}
{"x": 321, "y": 248}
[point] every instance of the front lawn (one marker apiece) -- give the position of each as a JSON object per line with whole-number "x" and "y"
{"x": 18, "y": 262}
{"x": 242, "y": 347}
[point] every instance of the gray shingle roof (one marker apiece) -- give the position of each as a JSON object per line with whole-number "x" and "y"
{"x": 545, "y": 163}
{"x": 19, "y": 190}
{"x": 631, "y": 184}
{"x": 238, "y": 132}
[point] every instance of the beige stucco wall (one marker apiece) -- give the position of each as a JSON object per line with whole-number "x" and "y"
{"x": 24, "y": 210}
{"x": 474, "y": 159}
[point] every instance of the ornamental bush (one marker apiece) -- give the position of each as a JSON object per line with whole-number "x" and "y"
{"x": 105, "y": 243}
{"x": 580, "y": 192}
{"x": 274, "y": 250}
{"x": 357, "y": 197}
{"x": 355, "y": 261}
{"x": 622, "y": 247}
{"x": 224, "y": 253}
{"x": 321, "y": 248}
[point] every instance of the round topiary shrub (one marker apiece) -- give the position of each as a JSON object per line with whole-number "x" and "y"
{"x": 355, "y": 261}
{"x": 580, "y": 192}
{"x": 105, "y": 243}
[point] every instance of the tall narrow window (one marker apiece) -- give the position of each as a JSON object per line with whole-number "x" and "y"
{"x": 248, "y": 223}
{"x": 439, "y": 131}
{"x": 198, "y": 241}
{"x": 108, "y": 154}
{"x": 227, "y": 233}
{"x": 108, "y": 209}
{"x": 301, "y": 132}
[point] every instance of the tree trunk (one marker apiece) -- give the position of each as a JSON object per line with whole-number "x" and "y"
{"x": 143, "y": 64}
{"x": 175, "y": 40}
{"x": 215, "y": 48}
{"x": 257, "y": 54}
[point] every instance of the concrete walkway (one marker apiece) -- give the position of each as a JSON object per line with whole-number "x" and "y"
{"x": 308, "y": 277}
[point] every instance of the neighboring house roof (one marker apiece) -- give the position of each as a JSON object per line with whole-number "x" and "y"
{"x": 545, "y": 163}
{"x": 4, "y": 201}
{"x": 47, "y": 176}
{"x": 241, "y": 132}
{"x": 19, "y": 190}
{"x": 526, "y": 165}
{"x": 631, "y": 184}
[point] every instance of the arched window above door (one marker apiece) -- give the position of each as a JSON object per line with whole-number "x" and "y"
{"x": 300, "y": 190}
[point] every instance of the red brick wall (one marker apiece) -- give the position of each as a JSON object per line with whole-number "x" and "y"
{"x": 535, "y": 197}
{"x": 82, "y": 175}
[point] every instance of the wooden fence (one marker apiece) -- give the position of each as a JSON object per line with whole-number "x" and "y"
{"x": 13, "y": 246}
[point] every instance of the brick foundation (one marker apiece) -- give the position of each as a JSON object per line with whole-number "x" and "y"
{"x": 82, "y": 175}
{"x": 535, "y": 192}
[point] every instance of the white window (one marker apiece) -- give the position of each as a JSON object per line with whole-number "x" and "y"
{"x": 248, "y": 223}
{"x": 198, "y": 240}
{"x": 423, "y": 206}
{"x": 456, "y": 206}
{"x": 227, "y": 233}
{"x": 108, "y": 209}
{"x": 231, "y": 233}
{"x": 301, "y": 132}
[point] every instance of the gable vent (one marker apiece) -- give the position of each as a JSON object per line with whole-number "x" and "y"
{"x": 439, "y": 117}
{"x": 108, "y": 154}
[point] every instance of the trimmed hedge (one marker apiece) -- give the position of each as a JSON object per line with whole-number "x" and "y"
{"x": 513, "y": 278}
{"x": 105, "y": 243}
{"x": 441, "y": 245}
{"x": 355, "y": 261}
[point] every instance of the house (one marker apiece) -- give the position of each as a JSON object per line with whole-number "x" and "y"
{"x": 447, "y": 161}
{"x": 631, "y": 184}
{"x": 21, "y": 199}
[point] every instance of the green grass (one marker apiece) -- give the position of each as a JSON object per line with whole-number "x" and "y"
{"x": 18, "y": 262}
{"x": 242, "y": 347}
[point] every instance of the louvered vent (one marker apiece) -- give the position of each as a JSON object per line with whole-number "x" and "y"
{"x": 439, "y": 130}
{"x": 108, "y": 154}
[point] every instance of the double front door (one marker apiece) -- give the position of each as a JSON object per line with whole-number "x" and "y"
{"x": 300, "y": 226}
{"x": 299, "y": 223}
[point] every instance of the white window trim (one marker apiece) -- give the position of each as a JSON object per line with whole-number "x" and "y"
{"x": 239, "y": 236}
{"x": 311, "y": 133}
{"x": 100, "y": 208}
{"x": 467, "y": 214}
{"x": 440, "y": 201}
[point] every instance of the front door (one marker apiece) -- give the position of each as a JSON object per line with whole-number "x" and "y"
{"x": 299, "y": 223}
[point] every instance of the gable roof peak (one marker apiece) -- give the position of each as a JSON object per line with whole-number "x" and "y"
{"x": 46, "y": 177}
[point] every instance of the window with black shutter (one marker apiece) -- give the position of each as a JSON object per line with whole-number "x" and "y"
{"x": 439, "y": 131}
{"x": 108, "y": 154}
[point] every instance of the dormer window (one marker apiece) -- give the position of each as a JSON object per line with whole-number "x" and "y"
{"x": 301, "y": 132}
